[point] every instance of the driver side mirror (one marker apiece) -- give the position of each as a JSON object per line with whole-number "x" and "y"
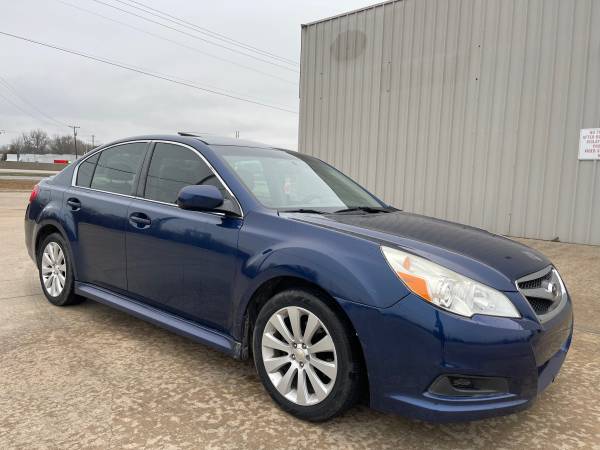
{"x": 200, "y": 198}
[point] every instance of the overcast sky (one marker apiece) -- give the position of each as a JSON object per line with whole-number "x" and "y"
{"x": 111, "y": 102}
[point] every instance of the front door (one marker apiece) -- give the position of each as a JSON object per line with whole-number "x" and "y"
{"x": 180, "y": 261}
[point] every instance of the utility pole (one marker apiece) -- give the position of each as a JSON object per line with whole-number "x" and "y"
{"x": 93, "y": 141}
{"x": 74, "y": 138}
{"x": 237, "y": 134}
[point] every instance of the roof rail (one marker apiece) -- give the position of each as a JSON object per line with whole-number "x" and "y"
{"x": 189, "y": 134}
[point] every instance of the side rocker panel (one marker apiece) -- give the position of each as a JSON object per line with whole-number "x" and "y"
{"x": 170, "y": 322}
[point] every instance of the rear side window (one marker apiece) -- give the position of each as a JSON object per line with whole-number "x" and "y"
{"x": 173, "y": 167}
{"x": 117, "y": 167}
{"x": 86, "y": 171}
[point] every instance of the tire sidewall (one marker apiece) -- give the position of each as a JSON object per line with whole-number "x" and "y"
{"x": 64, "y": 296}
{"x": 342, "y": 393}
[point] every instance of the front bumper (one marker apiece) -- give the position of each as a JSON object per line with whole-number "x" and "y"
{"x": 411, "y": 344}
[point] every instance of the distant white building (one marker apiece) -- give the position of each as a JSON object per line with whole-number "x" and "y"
{"x": 30, "y": 157}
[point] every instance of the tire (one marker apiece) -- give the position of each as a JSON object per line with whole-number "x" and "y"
{"x": 342, "y": 385}
{"x": 54, "y": 261}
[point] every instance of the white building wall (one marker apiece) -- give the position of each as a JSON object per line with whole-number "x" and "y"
{"x": 46, "y": 158}
{"x": 467, "y": 110}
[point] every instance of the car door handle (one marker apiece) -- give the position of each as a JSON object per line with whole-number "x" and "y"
{"x": 140, "y": 220}
{"x": 74, "y": 204}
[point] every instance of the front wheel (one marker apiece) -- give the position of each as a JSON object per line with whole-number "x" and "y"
{"x": 304, "y": 356}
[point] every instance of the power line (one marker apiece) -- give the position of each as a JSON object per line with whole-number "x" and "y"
{"x": 206, "y": 31}
{"x": 176, "y": 78}
{"x": 24, "y": 100}
{"x": 43, "y": 117}
{"x": 173, "y": 77}
{"x": 144, "y": 72}
{"x": 180, "y": 44}
{"x": 24, "y": 111}
{"x": 194, "y": 36}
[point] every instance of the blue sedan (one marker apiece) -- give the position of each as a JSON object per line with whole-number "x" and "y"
{"x": 273, "y": 255}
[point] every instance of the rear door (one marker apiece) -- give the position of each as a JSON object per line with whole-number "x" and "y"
{"x": 97, "y": 205}
{"x": 181, "y": 261}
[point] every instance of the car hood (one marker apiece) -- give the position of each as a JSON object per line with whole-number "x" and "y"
{"x": 478, "y": 254}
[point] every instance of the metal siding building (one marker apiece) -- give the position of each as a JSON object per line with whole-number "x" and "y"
{"x": 467, "y": 110}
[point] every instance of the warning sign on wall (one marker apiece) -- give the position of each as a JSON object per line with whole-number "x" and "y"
{"x": 589, "y": 143}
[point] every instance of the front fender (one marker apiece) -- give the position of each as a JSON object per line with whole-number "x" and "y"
{"x": 346, "y": 274}
{"x": 358, "y": 275}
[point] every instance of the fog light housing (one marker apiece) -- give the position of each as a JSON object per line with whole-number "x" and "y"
{"x": 462, "y": 383}
{"x": 468, "y": 386}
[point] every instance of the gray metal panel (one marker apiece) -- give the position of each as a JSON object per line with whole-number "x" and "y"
{"x": 467, "y": 110}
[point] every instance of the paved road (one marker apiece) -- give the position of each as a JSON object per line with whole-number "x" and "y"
{"x": 20, "y": 177}
{"x": 89, "y": 376}
{"x": 25, "y": 174}
{"x": 29, "y": 171}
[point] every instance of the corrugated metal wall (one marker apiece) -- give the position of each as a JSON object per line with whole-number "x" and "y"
{"x": 467, "y": 110}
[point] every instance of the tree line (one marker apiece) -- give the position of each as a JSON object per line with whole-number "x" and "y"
{"x": 40, "y": 143}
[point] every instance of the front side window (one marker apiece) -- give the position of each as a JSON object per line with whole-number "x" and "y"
{"x": 117, "y": 167}
{"x": 289, "y": 180}
{"x": 173, "y": 167}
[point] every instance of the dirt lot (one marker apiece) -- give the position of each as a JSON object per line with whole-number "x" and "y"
{"x": 89, "y": 376}
{"x": 13, "y": 185}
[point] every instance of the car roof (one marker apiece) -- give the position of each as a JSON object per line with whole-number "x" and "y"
{"x": 209, "y": 140}
{"x": 212, "y": 139}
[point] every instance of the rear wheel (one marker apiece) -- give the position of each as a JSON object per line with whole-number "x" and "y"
{"x": 55, "y": 271}
{"x": 304, "y": 356}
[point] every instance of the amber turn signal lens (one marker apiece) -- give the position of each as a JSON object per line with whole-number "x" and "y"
{"x": 416, "y": 284}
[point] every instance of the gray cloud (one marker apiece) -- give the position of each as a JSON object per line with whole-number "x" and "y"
{"x": 111, "y": 102}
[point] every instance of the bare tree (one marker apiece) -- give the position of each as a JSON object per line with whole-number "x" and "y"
{"x": 61, "y": 145}
{"x": 17, "y": 145}
{"x": 36, "y": 141}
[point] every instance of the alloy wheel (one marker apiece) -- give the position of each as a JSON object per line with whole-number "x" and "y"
{"x": 54, "y": 269}
{"x": 299, "y": 355}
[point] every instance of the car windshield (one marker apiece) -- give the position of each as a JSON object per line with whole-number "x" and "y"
{"x": 286, "y": 180}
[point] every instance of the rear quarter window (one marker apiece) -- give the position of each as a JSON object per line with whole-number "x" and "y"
{"x": 85, "y": 171}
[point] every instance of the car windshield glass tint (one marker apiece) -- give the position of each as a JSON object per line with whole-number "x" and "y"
{"x": 288, "y": 180}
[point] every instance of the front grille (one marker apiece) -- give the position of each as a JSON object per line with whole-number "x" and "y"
{"x": 543, "y": 290}
{"x": 540, "y": 305}
{"x": 536, "y": 283}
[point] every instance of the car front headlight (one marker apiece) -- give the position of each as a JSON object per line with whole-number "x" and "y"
{"x": 447, "y": 289}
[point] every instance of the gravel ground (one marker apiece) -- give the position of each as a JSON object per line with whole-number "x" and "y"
{"x": 91, "y": 377}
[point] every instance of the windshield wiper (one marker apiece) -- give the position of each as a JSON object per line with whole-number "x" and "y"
{"x": 303, "y": 210}
{"x": 367, "y": 209}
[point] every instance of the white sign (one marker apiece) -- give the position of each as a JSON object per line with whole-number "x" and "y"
{"x": 589, "y": 144}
